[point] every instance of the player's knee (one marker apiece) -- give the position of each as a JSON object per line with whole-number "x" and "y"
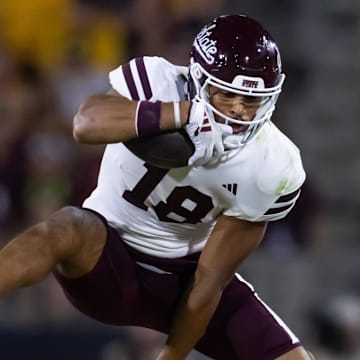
{"x": 76, "y": 221}
{"x": 311, "y": 355}
{"x": 68, "y": 220}
{"x": 71, "y": 214}
{"x": 299, "y": 353}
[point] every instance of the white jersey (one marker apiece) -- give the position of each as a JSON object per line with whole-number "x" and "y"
{"x": 171, "y": 213}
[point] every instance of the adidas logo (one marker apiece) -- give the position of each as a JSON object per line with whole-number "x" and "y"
{"x": 230, "y": 187}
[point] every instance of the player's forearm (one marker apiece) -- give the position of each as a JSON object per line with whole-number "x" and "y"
{"x": 104, "y": 119}
{"x": 108, "y": 118}
{"x": 191, "y": 320}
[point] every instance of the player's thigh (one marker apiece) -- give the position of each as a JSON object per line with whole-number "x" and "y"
{"x": 244, "y": 327}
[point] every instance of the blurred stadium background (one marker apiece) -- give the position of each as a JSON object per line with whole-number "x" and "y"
{"x": 53, "y": 53}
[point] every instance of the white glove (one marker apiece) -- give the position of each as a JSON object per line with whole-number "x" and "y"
{"x": 205, "y": 133}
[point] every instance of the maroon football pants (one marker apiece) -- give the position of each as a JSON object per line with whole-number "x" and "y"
{"x": 130, "y": 288}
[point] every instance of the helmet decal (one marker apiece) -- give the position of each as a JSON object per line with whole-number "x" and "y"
{"x": 250, "y": 83}
{"x": 205, "y": 46}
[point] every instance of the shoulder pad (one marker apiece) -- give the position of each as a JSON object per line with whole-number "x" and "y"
{"x": 149, "y": 78}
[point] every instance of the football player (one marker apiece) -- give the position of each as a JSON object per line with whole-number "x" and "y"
{"x": 160, "y": 248}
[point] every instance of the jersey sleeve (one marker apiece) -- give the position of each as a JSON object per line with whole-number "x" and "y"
{"x": 283, "y": 177}
{"x": 149, "y": 78}
{"x": 281, "y": 206}
{"x": 274, "y": 184}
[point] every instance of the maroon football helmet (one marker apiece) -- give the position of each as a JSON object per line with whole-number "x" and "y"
{"x": 236, "y": 54}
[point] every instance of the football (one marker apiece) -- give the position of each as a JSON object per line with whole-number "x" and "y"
{"x": 171, "y": 149}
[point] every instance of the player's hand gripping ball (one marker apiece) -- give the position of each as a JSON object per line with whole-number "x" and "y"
{"x": 196, "y": 144}
{"x": 204, "y": 133}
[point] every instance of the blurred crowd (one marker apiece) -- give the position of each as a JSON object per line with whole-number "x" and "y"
{"x": 54, "y": 53}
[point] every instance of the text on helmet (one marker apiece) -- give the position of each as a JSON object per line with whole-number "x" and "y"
{"x": 250, "y": 83}
{"x": 205, "y": 46}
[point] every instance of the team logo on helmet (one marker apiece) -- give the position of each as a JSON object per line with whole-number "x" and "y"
{"x": 250, "y": 83}
{"x": 205, "y": 46}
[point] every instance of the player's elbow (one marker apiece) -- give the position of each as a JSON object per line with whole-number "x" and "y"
{"x": 84, "y": 123}
{"x": 209, "y": 282}
{"x": 205, "y": 294}
{"x": 81, "y": 127}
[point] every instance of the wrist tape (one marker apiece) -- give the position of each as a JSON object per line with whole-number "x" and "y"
{"x": 147, "y": 118}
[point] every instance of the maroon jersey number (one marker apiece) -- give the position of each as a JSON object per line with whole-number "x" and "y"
{"x": 184, "y": 204}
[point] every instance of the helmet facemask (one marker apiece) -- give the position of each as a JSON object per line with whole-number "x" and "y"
{"x": 236, "y": 54}
{"x": 241, "y": 85}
